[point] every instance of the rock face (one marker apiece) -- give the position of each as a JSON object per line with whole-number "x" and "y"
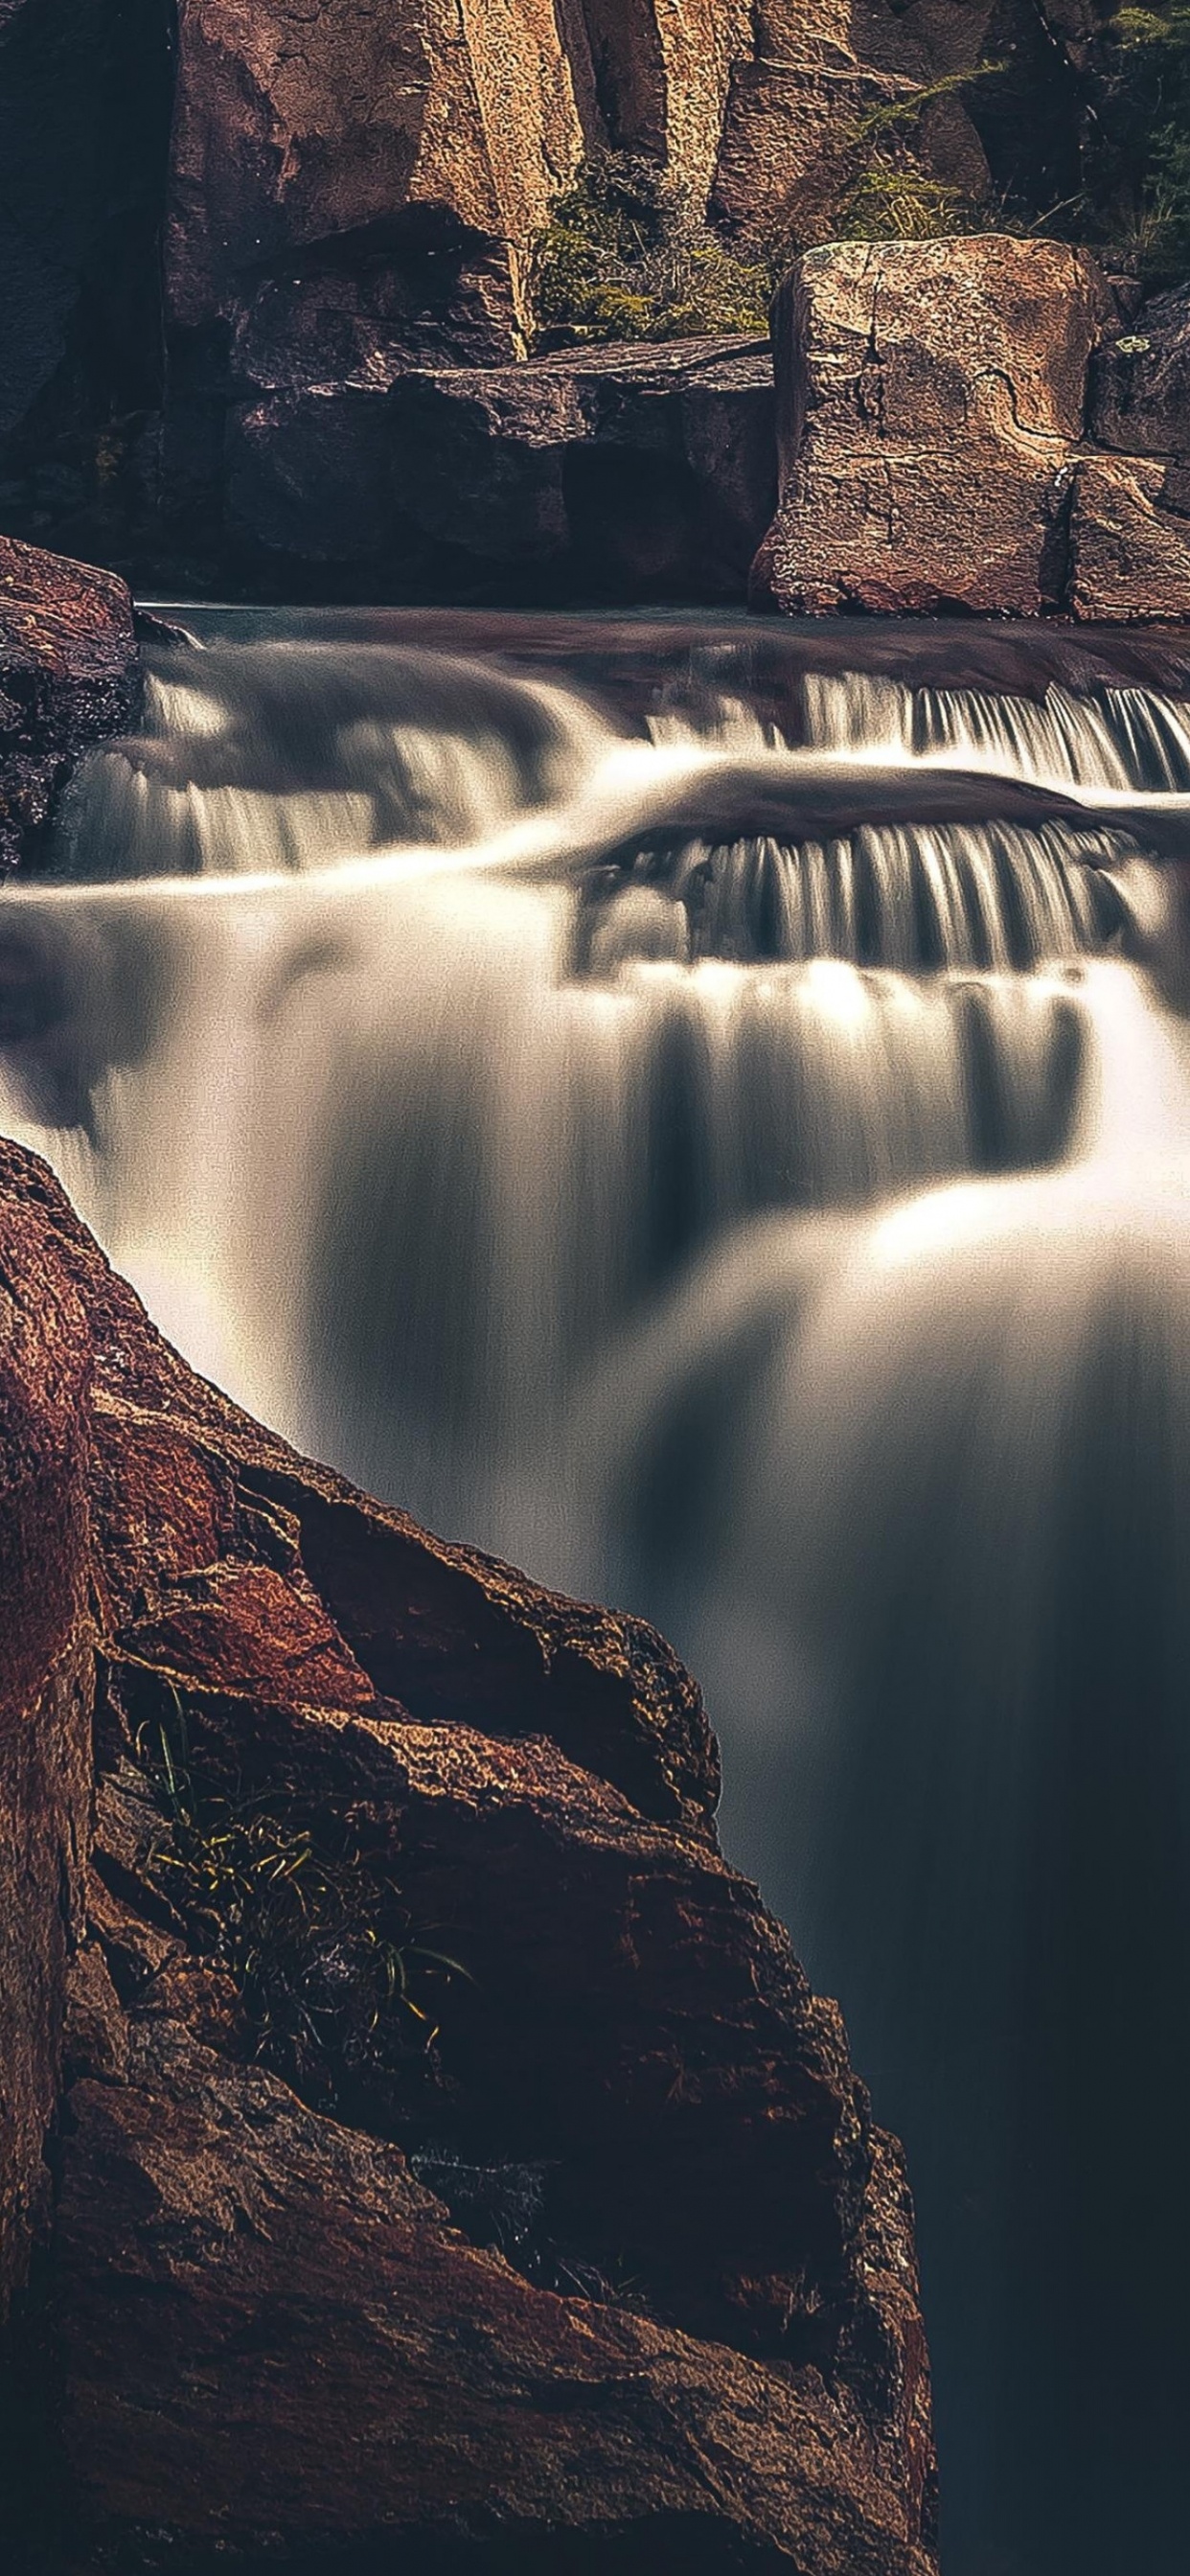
{"x": 201, "y": 325}
{"x": 1140, "y": 399}
{"x": 68, "y": 674}
{"x": 612, "y": 2272}
{"x": 931, "y": 423}
{"x": 621, "y": 471}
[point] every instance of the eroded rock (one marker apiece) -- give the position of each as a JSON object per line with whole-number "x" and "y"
{"x": 618, "y": 2264}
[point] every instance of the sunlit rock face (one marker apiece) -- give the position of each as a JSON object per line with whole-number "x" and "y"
{"x": 932, "y": 418}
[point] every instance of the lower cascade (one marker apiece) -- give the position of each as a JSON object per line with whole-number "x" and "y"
{"x": 740, "y": 1168}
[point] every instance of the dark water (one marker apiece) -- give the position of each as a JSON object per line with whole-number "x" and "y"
{"x": 705, "y": 1112}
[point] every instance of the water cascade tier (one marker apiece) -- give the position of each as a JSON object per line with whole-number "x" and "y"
{"x": 728, "y": 1149}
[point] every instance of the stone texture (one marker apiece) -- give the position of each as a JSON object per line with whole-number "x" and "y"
{"x": 929, "y": 397}
{"x": 45, "y": 1696}
{"x": 69, "y": 673}
{"x": 1129, "y": 550}
{"x": 1140, "y": 384}
{"x": 615, "y": 471}
{"x": 261, "y": 2332}
{"x": 790, "y": 149}
{"x": 412, "y": 151}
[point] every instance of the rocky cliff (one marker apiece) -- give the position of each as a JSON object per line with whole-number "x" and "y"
{"x": 412, "y": 2130}
{"x": 244, "y": 251}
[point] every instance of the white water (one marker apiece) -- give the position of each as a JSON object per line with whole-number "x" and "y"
{"x": 793, "y": 1235}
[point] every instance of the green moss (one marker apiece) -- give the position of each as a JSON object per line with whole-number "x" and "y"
{"x": 623, "y": 257}
{"x": 893, "y": 201}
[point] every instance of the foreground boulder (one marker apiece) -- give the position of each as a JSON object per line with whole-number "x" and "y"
{"x": 69, "y": 673}
{"x": 622, "y": 472}
{"x": 450, "y": 2155}
{"x": 932, "y": 422}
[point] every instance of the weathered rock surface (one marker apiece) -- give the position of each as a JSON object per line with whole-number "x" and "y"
{"x": 931, "y": 422}
{"x": 45, "y": 1703}
{"x": 623, "y": 471}
{"x": 260, "y": 2327}
{"x": 68, "y": 674}
{"x": 1140, "y": 389}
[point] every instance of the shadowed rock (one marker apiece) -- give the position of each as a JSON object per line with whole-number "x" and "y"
{"x": 698, "y": 2343}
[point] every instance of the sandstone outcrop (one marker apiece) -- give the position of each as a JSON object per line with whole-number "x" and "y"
{"x": 931, "y": 412}
{"x": 611, "y": 2270}
{"x": 617, "y": 471}
{"x": 69, "y": 673}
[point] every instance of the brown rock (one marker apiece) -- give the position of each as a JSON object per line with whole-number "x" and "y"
{"x": 1130, "y": 551}
{"x": 46, "y": 1687}
{"x": 415, "y": 154}
{"x": 698, "y": 2342}
{"x": 792, "y": 143}
{"x": 1140, "y": 384}
{"x": 929, "y": 394}
{"x": 621, "y": 471}
{"x": 68, "y": 674}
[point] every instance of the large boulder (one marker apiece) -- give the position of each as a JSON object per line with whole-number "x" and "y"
{"x": 615, "y": 472}
{"x": 610, "y": 2268}
{"x": 69, "y": 673}
{"x": 929, "y": 394}
{"x": 931, "y": 412}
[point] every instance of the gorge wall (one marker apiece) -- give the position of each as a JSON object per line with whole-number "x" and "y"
{"x": 269, "y": 277}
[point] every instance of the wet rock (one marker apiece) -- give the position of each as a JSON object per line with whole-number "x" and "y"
{"x": 295, "y": 2301}
{"x": 621, "y": 472}
{"x": 69, "y": 673}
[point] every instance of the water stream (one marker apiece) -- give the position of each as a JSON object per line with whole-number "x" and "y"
{"x": 735, "y": 1157}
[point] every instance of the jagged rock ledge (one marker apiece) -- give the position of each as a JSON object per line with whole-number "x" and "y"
{"x": 612, "y": 2273}
{"x": 69, "y": 673}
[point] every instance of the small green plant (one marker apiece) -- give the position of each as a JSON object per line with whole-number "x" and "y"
{"x": 335, "y": 1990}
{"x": 893, "y": 201}
{"x": 624, "y": 257}
{"x": 1139, "y": 169}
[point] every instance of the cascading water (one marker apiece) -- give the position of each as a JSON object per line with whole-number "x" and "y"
{"x": 736, "y": 1164}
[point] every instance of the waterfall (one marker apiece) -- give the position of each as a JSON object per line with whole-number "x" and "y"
{"x": 743, "y": 1166}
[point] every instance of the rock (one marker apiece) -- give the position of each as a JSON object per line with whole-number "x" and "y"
{"x": 1140, "y": 383}
{"x": 652, "y": 2299}
{"x": 46, "y": 1686}
{"x": 1130, "y": 550}
{"x": 929, "y": 394}
{"x": 615, "y": 471}
{"x": 792, "y": 143}
{"x": 391, "y": 171}
{"x": 69, "y": 673}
